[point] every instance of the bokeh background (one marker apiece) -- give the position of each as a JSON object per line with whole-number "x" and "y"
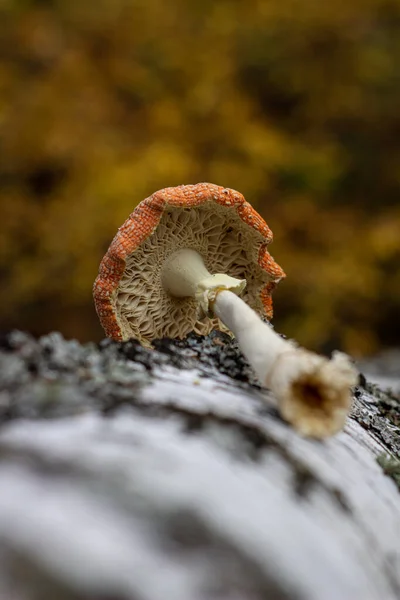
{"x": 295, "y": 103}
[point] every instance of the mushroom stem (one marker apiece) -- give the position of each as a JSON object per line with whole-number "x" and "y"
{"x": 257, "y": 340}
{"x": 182, "y": 272}
{"x": 313, "y": 393}
{"x": 185, "y": 274}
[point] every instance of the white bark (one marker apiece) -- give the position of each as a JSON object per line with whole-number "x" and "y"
{"x": 182, "y": 483}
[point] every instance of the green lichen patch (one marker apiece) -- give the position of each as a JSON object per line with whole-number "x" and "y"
{"x": 391, "y": 467}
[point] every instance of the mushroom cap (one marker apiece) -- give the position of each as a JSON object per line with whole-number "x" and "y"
{"x": 215, "y": 221}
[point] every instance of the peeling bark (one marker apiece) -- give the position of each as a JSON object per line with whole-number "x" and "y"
{"x": 127, "y": 473}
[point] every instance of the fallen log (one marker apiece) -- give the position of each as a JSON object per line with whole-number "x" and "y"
{"x": 129, "y": 473}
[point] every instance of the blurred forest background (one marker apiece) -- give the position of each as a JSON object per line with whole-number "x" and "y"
{"x": 295, "y": 103}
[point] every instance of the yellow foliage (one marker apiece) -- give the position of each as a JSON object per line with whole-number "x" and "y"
{"x": 295, "y": 104}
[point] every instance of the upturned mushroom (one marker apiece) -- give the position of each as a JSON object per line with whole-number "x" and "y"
{"x": 179, "y": 264}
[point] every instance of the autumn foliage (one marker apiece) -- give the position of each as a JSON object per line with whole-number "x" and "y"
{"x": 295, "y": 103}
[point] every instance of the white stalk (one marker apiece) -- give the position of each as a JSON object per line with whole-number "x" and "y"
{"x": 185, "y": 274}
{"x": 257, "y": 340}
{"x": 312, "y": 392}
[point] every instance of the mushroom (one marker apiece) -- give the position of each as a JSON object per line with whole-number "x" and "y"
{"x": 179, "y": 264}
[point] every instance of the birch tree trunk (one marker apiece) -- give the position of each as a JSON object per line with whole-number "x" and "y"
{"x": 131, "y": 474}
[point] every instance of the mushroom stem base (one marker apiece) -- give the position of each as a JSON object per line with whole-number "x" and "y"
{"x": 313, "y": 393}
